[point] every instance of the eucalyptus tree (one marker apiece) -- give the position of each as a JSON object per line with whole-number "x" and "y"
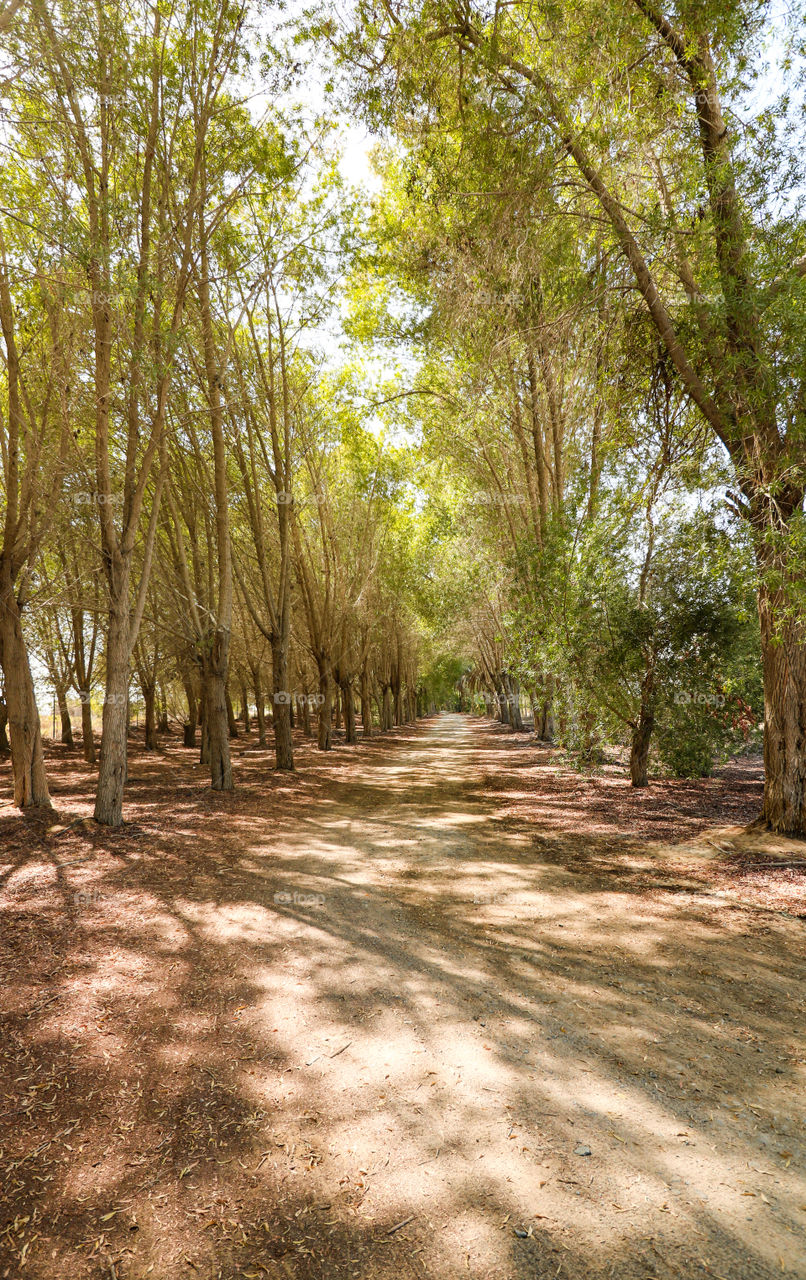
{"x": 35, "y": 434}
{"x": 642, "y": 118}
{"x": 126, "y": 96}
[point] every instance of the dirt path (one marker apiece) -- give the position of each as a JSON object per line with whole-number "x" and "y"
{"x": 382, "y": 1024}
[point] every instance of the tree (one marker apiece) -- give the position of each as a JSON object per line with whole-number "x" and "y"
{"x": 638, "y": 114}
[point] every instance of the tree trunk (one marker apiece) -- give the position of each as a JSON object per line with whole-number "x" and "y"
{"x": 512, "y": 690}
{"x": 216, "y": 700}
{"x": 150, "y": 699}
{"x": 639, "y": 747}
{"x": 5, "y": 745}
{"x": 64, "y": 716}
{"x": 163, "y": 727}
{"x": 232, "y": 724}
{"x": 27, "y": 758}
{"x": 189, "y": 727}
{"x": 503, "y": 700}
{"x": 112, "y": 764}
{"x": 547, "y": 721}
{"x": 387, "y": 719}
{"x": 306, "y": 716}
{"x": 366, "y": 706}
{"x": 204, "y": 745}
{"x": 783, "y": 652}
{"x": 245, "y": 708}
{"x": 87, "y": 736}
{"x": 336, "y": 707}
{"x": 348, "y": 703}
{"x": 283, "y": 743}
{"x": 260, "y": 708}
{"x": 325, "y": 706}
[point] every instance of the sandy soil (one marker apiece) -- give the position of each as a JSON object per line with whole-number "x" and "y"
{"x": 434, "y": 1007}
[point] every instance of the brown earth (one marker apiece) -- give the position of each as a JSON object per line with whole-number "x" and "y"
{"x": 369, "y": 1020}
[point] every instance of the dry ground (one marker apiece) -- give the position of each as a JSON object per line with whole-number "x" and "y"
{"x": 517, "y": 1022}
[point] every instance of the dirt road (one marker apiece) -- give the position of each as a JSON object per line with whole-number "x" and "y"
{"x": 383, "y": 1025}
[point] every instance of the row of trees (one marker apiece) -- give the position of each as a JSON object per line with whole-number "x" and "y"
{"x": 188, "y": 493}
{"x": 590, "y": 230}
{"x": 589, "y": 238}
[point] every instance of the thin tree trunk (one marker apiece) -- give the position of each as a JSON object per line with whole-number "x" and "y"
{"x": 388, "y": 718}
{"x": 5, "y": 745}
{"x": 87, "y": 735}
{"x": 204, "y": 723}
{"x": 217, "y": 712}
{"x": 163, "y": 726}
{"x": 366, "y": 705}
{"x": 232, "y": 724}
{"x": 64, "y": 716}
{"x": 306, "y": 716}
{"x": 348, "y": 703}
{"x": 27, "y": 757}
{"x": 337, "y": 707}
{"x": 503, "y": 700}
{"x": 283, "y": 742}
{"x": 150, "y": 699}
{"x": 326, "y": 706}
{"x": 112, "y": 763}
{"x": 639, "y": 747}
{"x": 245, "y": 708}
{"x": 260, "y": 708}
{"x": 189, "y": 727}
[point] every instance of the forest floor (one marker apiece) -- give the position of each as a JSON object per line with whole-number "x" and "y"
{"x": 435, "y": 1006}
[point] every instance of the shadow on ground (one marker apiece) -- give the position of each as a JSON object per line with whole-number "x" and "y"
{"x": 382, "y": 1019}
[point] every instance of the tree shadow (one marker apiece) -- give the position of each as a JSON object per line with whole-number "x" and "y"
{"x": 365, "y": 1034}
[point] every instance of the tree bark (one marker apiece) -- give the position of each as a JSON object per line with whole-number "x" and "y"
{"x": 326, "y": 706}
{"x": 204, "y": 749}
{"x": 87, "y": 735}
{"x": 283, "y": 743}
{"x": 189, "y": 727}
{"x": 260, "y": 707}
{"x": 27, "y": 757}
{"x": 366, "y": 705}
{"x": 387, "y": 719}
{"x": 112, "y": 763}
{"x": 512, "y": 691}
{"x": 150, "y": 699}
{"x": 348, "y": 704}
{"x": 336, "y": 706}
{"x": 783, "y": 651}
{"x": 216, "y": 717}
{"x": 639, "y": 747}
{"x": 64, "y": 716}
{"x": 232, "y": 724}
{"x": 164, "y": 725}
